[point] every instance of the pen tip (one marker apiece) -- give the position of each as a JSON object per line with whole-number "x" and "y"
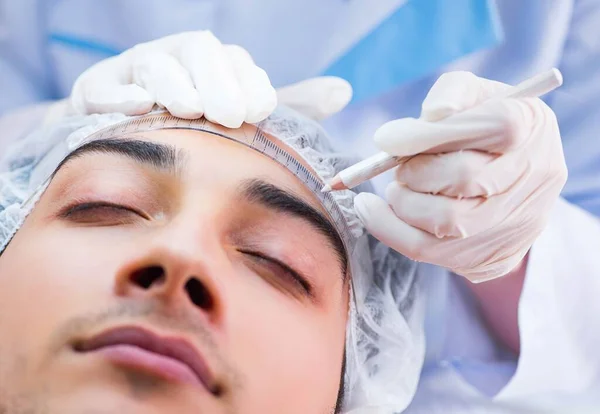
{"x": 326, "y": 188}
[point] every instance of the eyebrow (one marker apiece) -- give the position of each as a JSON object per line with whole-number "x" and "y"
{"x": 278, "y": 199}
{"x": 169, "y": 158}
{"x": 159, "y": 156}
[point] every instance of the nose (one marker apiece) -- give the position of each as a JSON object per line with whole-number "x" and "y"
{"x": 175, "y": 278}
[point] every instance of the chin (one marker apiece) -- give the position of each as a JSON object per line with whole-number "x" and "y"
{"x": 111, "y": 400}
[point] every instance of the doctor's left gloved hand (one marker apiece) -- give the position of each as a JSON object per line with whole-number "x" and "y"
{"x": 484, "y": 181}
{"x": 193, "y": 74}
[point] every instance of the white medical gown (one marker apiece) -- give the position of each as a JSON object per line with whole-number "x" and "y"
{"x": 46, "y": 44}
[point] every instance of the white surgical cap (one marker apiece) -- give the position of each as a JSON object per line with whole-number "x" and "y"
{"x": 384, "y": 337}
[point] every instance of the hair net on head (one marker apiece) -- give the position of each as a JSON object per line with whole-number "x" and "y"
{"x": 384, "y": 336}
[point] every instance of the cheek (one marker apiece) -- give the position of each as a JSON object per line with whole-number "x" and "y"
{"x": 291, "y": 353}
{"x": 48, "y": 277}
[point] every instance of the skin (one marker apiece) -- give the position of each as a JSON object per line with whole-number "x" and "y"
{"x": 65, "y": 277}
{"x": 498, "y": 301}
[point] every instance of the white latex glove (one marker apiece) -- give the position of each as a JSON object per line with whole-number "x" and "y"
{"x": 192, "y": 75}
{"x": 480, "y": 190}
{"x": 317, "y": 98}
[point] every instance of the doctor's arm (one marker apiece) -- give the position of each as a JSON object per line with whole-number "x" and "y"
{"x": 557, "y": 309}
{"x": 531, "y": 253}
{"x": 551, "y": 321}
{"x": 558, "y": 305}
{"x": 557, "y": 283}
{"x": 498, "y": 302}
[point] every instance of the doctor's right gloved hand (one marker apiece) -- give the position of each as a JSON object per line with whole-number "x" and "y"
{"x": 483, "y": 182}
{"x": 193, "y": 75}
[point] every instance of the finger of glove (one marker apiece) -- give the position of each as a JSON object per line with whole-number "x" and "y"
{"x": 521, "y": 205}
{"x": 468, "y": 257}
{"x": 455, "y": 92}
{"x": 126, "y": 99}
{"x": 477, "y": 258}
{"x": 462, "y": 174}
{"x": 379, "y": 219}
{"x": 214, "y": 78}
{"x": 444, "y": 216}
{"x": 259, "y": 94}
{"x": 168, "y": 83}
{"x": 496, "y": 126}
{"x": 106, "y": 87}
{"x": 317, "y": 98}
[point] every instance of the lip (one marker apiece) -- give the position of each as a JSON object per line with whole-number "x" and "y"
{"x": 173, "y": 359}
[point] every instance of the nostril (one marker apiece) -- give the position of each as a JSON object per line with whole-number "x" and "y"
{"x": 199, "y": 294}
{"x": 148, "y": 276}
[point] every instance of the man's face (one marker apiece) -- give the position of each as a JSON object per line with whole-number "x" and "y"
{"x": 177, "y": 272}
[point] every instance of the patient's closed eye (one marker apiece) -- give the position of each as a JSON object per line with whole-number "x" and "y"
{"x": 102, "y": 213}
{"x": 280, "y": 274}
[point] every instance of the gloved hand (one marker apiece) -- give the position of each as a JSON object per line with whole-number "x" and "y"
{"x": 192, "y": 75}
{"x": 480, "y": 190}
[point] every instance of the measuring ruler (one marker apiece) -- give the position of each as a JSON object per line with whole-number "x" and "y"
{"x": 248, "y": 135}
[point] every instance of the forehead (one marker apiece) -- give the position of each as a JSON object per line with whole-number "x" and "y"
{"x": 212, "y": 160}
